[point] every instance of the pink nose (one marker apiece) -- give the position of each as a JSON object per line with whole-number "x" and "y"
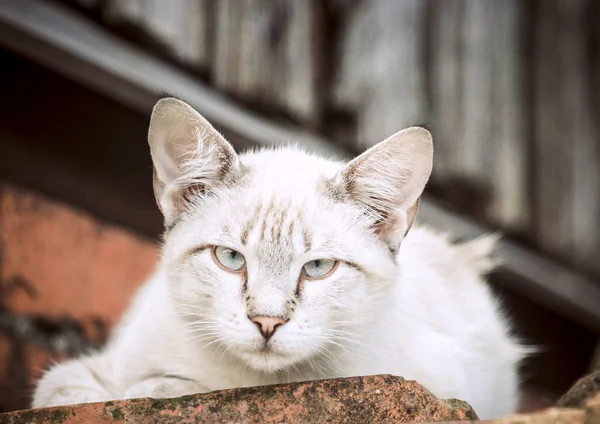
{"x": 267, "y": 325}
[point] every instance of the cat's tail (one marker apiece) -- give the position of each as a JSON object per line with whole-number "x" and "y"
{"x": 480, "y": 253}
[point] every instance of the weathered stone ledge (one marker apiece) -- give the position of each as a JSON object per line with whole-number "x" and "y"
{"x": 372, "y": 399}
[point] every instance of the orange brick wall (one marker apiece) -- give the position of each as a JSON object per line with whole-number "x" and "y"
{"x": 58, "y": 267}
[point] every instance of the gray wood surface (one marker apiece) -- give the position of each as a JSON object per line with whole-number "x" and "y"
{"x": 182, "y": 26}
{"x": 267, "y": 53}
{"x": 567, "y": 141}
{"x": 381, "y": 74}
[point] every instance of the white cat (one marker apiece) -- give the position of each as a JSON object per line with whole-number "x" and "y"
{"x": 280, "y": 266}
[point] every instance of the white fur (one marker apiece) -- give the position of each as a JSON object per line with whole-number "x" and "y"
{"x": 424, "y": 313}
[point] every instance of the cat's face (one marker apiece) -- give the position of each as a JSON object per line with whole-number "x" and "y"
{"x": 278, "y": 257}
{"x": 278, "y": 244}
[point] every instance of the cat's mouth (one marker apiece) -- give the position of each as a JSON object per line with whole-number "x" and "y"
{"x": 266, "y": 357}
{"x": 269, "y": 349}
{"x": 265, "y": 350}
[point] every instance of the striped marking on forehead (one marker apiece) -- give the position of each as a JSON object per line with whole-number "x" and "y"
{"x": 275, "y": 223}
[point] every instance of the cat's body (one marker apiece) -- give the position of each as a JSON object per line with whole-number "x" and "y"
{"x": 419, "y": 309}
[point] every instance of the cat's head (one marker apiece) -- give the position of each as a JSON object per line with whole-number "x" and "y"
{"x": 278, "y": 257}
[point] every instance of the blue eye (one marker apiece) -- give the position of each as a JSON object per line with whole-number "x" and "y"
{"x": 319, "y": 268}
{"x": 229, "y": 258}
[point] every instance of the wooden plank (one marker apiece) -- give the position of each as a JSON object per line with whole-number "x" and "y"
{"x": 60, "y": 40}
{"x": 381, "y": 74}
{"x": 509, "y": 147}
{"x": 259, "y": 73}
{"x": 475, "y": 146}
{"x": 125, "y": 10}
{"x": 479, "y": 105}
{"x": 198, "y": 39}
{"x": 300, "y": 55}
{"x": 584, "y": 134}
{"x": 265, "y": 54}
{"x": 181, "y": 26}
{"x": 567, "y": 142}
{"x": 446, "y": 85}
{"x": 227, "y": 45}
{"x": 552, "y": 173}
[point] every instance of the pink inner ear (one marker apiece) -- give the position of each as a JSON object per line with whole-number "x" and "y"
{"x": 390, "y": 225}
{"x": 411, "y": 214}
{"x": 394, "y": 225}
{"x": 186, "y": 195}
{"x": 191, "y": 191}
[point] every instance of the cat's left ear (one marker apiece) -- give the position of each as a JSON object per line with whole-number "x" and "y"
{"x": 387, "y": 181}
{"x": 190, "y": 157}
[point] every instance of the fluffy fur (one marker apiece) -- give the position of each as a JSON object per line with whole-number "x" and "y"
{"x": 414, "y": 306}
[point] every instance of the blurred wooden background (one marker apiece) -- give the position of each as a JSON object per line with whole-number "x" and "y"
{"x": 510, "y": 88}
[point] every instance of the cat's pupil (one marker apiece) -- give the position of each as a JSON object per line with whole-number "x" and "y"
{"x": 317, "y": 263}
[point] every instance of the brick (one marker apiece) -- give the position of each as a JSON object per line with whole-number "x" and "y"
{"x": 372, "y": 399}
{"x": 70, "y": 264}
{"x": 59, "y": 268}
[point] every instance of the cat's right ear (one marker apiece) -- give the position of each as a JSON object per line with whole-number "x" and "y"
{"x": 190, "y": 157}
{"x": 388, "y": 179}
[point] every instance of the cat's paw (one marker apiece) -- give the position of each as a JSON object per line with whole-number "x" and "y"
{"x": 164, "y": 387}
{"x": 69, "y": 383}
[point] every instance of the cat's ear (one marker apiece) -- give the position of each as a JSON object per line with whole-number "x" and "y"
{"x": 388, "y": 179}
{"x": 190, "y": 157}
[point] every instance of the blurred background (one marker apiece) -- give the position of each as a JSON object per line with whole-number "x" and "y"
{"x": 509, "y": 88}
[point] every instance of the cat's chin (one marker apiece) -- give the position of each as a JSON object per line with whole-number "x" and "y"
{"x": 268, "y": 361}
